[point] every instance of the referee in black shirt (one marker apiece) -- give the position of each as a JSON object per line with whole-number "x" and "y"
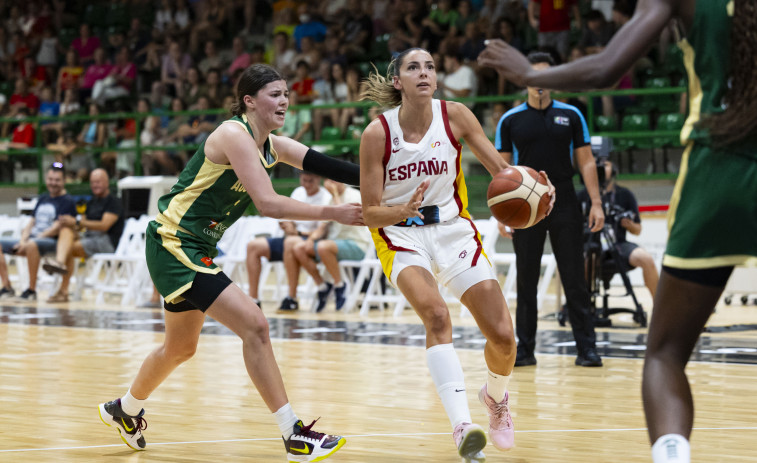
{"x": 546, "y": 135}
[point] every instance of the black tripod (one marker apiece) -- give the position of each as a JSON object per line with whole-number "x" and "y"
{"x": 601, "y": 265}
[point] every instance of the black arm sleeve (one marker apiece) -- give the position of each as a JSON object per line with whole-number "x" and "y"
{"x": 335, "y": 169}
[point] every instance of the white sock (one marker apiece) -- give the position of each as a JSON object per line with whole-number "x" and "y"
{"x": 450, "y": 384}
{"x": 130, "y": 405}
{"x": 671, "y": 448}
{"x": 340, "y": 285}
{"x": 496, "y": 386}
{"x": 286, "y": 418}
{"x": 323, "y": 286}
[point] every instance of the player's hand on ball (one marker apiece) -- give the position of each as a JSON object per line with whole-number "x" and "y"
{"x": 551, "y": 191}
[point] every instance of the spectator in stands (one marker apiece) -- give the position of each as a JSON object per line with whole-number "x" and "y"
{"x": 48, "y": 107}
{"x": 66, "y": 151}
{"x": 209, "y": 24}
{"x": 96, "y": 230}
{"x": 85, "y": 45}
{"x": 68, "y": 75}
{"x": 303, "y": 84}
{"x": 358, "y": 28}
{"x": 465, "y": 16}
{"x": 631, "y": 255}
{"x": 330, "y": 243}
{"x": 23, "y": 134}
{"x": 35, "y": 75}
{"x": 596, "y": 33}
{"x": 298, "y": 123}
{"x": 47, "y": 51}
{"x": 98, "y": 70}
{"x": 93, "y": 133}
{"x": 241, "y": 57}
{"x": 198, "y": 127}
{"x": 309, "y": 53}
{"x": 552, "y": 21}
{"x": 459, "y": 79}
{"x": 323, "y": 89}
{"x": 173, "y": 22}
{"x": 40, "y": 234}
{"x": 136, "y": 36}
{"x": 407, "y": 27}
{"x": 472, "y": 42}
{"x": 173, "y": 68}
{"x": 6, "y": 52}
{"x": 281, "y": 249}
{"x": 212, "y": 59}
{"x": 308, "y": 26}
{"x": 149, "y": 60}
{"x": 23, "y": 98}
{"x": 214, "y": 89}
{"x": 282, "y": 54}
{"x": 440, "y": 24}
{"x": 192, "y": 88}
{"x": 116, "y": 40}
{"x": 119, "y": 82}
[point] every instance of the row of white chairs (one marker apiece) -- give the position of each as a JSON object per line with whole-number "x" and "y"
{"x": 124, "y": 272}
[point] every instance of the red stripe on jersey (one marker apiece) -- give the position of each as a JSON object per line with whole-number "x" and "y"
{"x": 447, "y": 127}
{"x": 479, "y": 246}
{"x": 389, "y": 242}
{"x": 387, "y": 143}
{"x": 458, "y": 159}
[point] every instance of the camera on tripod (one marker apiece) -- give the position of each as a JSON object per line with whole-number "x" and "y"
{"x": 601, "y": 253}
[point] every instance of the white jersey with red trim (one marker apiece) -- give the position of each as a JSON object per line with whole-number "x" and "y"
{"x": 436, "y": 156}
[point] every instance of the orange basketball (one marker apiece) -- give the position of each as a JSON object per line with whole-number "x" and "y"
{"x": 518, "y": 197}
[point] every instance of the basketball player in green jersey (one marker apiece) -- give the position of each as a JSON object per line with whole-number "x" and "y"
{"x": 227, "y": 172}
{"x": 713, "y": 212}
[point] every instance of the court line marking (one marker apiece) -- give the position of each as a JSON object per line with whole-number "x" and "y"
{"x": 420, "y": 434}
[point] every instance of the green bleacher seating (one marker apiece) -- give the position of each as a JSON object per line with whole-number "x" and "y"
{"x": 634, "y": 123}
{"x": 330, "y": 134}
{"x": 669, "y": 122}
{"x": 606, "y": 123}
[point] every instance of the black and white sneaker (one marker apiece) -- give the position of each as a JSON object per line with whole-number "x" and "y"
{"x": 323, "y": 295}
{"x": 28, "y": 295}
{"x": 5, "y": 293}
{"x": 308, "y": 445}
{"x": 129, "y": 427}
{"x": 289, "y": 305}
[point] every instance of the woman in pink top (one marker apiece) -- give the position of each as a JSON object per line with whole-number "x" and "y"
{"x": 98, "y": 70}
{"x": 85, "y": 45}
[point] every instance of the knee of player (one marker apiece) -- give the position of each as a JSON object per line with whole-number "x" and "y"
{"x": 255, "y": 329}
{"x": 180, "y": 352}
{"x": 436, "y": 317}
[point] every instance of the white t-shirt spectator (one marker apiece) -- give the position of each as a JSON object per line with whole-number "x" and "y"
{"x": 322, "y": 198}
{"x": 359, "y": 235}
{"x": 462, "y": 79}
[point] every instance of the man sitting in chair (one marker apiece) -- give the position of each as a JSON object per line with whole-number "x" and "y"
{"x": 102, "y": 225}
{"x": 620, "y": 205}
{"x": 330, "y": 243}
{"x": 40, "y": 234}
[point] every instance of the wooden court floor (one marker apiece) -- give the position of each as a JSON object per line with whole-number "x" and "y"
{"x": 365, "y": 377}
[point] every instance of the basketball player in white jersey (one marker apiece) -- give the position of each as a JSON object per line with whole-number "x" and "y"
{"x": 415, "y": 203}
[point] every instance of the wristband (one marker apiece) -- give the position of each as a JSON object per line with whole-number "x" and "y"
{"x": 334, "y": 169}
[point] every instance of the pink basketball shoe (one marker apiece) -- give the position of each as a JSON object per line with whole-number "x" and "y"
{"x": 501, "y": 430}
{"x": 470, "y": 440}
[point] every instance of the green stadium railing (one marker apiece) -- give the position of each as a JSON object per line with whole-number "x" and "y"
{"x": 38, "y": 150}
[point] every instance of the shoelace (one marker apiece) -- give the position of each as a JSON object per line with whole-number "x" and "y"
{"x": 307, "y": 431}
{"x": 140, "y": 422}
{"x": 500, "y": 411}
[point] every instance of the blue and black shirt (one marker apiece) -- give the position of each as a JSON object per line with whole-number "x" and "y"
{"x": 543, "y": 139}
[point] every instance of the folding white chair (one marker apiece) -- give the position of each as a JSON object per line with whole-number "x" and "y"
{"x": 123, "y": 271}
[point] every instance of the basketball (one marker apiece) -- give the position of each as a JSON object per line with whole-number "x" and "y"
{"x": 518, "y": 197}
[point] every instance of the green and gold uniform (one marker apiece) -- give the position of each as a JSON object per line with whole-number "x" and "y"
{"x": 207, "y": 199}
{"x": 713, "y": 211}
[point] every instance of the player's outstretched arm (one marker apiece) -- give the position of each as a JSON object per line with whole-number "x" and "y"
{"x": 600, "y": 70}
